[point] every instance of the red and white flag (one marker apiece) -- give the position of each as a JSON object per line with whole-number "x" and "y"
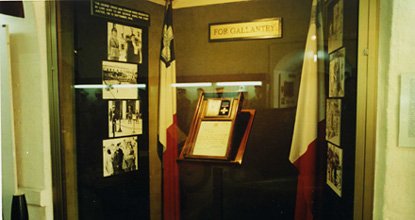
{"x": 309, "y": 117}
{"x": 168, "y": 119}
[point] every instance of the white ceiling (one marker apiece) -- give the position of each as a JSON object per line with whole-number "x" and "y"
{"x": 194, "y": 3}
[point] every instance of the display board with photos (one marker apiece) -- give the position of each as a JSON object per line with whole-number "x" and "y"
{"x": 111, "y": 105}
{"x": 120, "y": 79}
{"x": 339, "y": 99}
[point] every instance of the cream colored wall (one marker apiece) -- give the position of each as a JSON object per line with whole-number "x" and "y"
{"x": 395, "y": 166}
{"x": 31, "y": 107}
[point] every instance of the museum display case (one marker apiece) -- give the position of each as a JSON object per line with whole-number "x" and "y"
{"x": 237, "y": 102}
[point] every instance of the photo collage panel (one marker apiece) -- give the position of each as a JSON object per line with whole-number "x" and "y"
{"x": 120, "y": 74}
{"x": 336, "y": 92}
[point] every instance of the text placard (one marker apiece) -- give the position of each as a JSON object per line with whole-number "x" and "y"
{"x": 258, "y": 29}
{"x": 111, "y": 11}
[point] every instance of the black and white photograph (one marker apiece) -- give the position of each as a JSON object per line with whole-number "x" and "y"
{"x": 337, "y": 73}
{"x": 335, "y": 18}
{"x": 124, "y": 43}
{"x": 120, "y": 80}
{"x": 333, "y": 121}
{"x": 120, "y": 155}
{"x": 124, "y": 118}
{"x": 334, "y": 168}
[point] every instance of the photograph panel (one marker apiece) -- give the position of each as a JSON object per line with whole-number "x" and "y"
{"x": 124, "y": 118}
{"x": 335, "y": 18}
{"x": 120, "y": 155}
{"x": 337, "y": 73}
{"x": 334, "y": 168}
{"x": 124, "y": 43}
{"x": 120, "y": 80}
{"x": 333, "y": 121}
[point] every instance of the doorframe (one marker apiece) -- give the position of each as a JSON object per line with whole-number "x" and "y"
{"x": 55, "y": 137}
{"x": 367, "y": 84}
{"x": 60, "y": 78}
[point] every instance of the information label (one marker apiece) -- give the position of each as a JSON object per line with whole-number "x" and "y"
{"x": 110, "y": 11}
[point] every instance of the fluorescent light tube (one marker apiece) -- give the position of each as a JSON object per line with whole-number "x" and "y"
{"x": 241, "y": 83}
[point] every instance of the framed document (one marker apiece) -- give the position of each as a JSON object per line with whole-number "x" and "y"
{"x": 212, "y": 131}
{"x": 212, "y": 138}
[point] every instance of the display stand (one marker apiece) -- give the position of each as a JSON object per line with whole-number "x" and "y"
{"x": 217, "y": 191}
{"x": 219, "y": 130}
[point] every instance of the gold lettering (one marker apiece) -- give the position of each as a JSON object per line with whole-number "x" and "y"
{"x": 220, "y": 31}
{"x": 232, "y": 30}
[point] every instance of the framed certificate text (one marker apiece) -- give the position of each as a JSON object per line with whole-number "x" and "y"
{"x": 218, "y": 128}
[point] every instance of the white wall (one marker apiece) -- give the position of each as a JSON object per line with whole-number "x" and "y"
{"x": 395, "y": 166}
{"x": 31, "y": 107}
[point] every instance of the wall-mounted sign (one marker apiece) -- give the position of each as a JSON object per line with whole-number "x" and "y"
{"x": 257, "y": 29}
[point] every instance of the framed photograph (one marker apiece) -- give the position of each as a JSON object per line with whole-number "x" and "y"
{"x": 120, "y": 155}
{"x": 334, "y": 173}
{"x": 124, "y": 43}
{"x": 335, "y": 26}
{"x": 120, "y": 80}
{"x": 124, "y": 118}
{"x": 337, "y": 73}
{"x": 333, "y": 121}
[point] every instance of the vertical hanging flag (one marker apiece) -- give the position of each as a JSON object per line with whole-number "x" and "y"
{"x": 309, "y": 117}
{"x": 168, "y": 119}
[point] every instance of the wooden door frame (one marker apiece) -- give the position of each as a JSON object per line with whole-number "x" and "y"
{"x": 60, "y": 73}
{"x": 368, "y": 43}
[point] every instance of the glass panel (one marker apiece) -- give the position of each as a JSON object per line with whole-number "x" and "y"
{"x": 112, "y": 112}
{"x": 268, "y": 72}
{"x": 111, "y": 116}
